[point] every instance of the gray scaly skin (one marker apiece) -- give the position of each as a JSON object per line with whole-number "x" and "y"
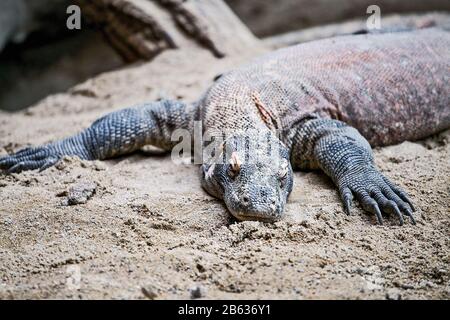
{"x": 319, "y": 105}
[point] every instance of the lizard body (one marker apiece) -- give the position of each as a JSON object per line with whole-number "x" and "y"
{"x": 318, "y": 105}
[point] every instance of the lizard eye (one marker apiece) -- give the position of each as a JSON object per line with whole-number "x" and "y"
{"x": 282, "y": 173}
{"x": 235, "y": 165}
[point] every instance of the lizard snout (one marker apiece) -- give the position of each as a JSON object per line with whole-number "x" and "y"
{"x": 257, "y": 203}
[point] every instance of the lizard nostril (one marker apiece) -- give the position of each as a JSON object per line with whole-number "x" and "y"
{"x": 245, "y": 199}
{"x": 273, "y": 201}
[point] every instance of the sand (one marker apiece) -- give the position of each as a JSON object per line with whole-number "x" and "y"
{"x": 148, "y": 230}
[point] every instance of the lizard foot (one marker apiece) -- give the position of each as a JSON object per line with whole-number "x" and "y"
{"x": 29, "y": 159}
{"x": 375, "y": 193}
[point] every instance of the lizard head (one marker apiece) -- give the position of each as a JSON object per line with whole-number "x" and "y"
{"x": 254, "y": 177}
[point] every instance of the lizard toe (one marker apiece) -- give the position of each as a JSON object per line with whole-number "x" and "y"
{"x": 403, "y": 206}
{"x": 371, "y": 205}
{"x": 347, "y": 198}
{"x": 387, "y": 205}
{"x": 400, "y": 193}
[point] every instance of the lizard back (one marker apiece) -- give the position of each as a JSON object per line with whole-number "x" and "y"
{"x": 391, "y": 87}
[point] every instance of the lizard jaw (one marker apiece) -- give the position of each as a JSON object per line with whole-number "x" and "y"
{"x": 256, "y": 217}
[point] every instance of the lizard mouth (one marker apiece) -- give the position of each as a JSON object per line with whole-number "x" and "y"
{"x": 270, "y": 216}
{"x": 261, "y": 218}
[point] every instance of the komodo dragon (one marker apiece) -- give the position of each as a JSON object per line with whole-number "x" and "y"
{"x": 320, "y": 104}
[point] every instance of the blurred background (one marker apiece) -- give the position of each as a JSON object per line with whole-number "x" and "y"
{"x": 39, "y": 55}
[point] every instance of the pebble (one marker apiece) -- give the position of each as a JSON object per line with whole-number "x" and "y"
{"x": 393, "y": 294}
{"x": 198, "y": 291}
{"x": 99, "y": 166}
{"x": 150, "y": 292}
{"x": 79, "y": 193}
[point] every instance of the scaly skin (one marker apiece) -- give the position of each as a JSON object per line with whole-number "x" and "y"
{"x": 311, "y": 106}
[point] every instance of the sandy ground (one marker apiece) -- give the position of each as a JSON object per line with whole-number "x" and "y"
{"x": 150, "y": 227}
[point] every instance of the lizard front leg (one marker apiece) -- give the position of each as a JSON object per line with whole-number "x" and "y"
{"x": 346, "y": 156}
{"x": 117, "y": 133}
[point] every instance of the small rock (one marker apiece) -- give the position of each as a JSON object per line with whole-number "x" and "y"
{"x": 398, "y": 159}
{"x": 79, "y": 193}
{"x": 361, "y": 271}
{"x": 393, "y": 294}
{"x": 197, "y": 292}
{"x": 99, "y": 166}
{"x": 66, "y": 161}
{"x": 150, "y": 292}
{"x": 85, "y": 92}
{"x": 305, "y": 224}
{"x": 200, "y": 267}
{"x": 426, "y": 284}
{"x": 7, "y": 221}
{"x": 297, "y": 291}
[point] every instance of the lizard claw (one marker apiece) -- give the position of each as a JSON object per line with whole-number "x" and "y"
{"x": 376, "y": 194}
{"x": 347, "y": 198}
{"x": 29, "y": 159}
